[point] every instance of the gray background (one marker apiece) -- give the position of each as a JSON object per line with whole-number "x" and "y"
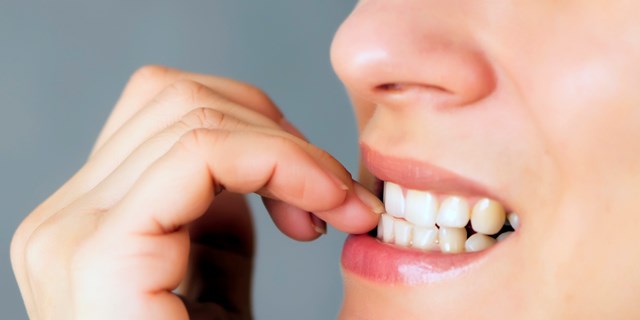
{"x": 64, "y": 63}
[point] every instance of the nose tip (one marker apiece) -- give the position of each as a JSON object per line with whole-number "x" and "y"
{"x": 393, "y": 57}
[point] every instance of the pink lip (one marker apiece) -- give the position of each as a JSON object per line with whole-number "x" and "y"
{"x": 418, "y": 175}
{"x": 371, "y": 259}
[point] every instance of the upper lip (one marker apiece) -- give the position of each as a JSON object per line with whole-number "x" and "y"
{"x": 420, "y": 175}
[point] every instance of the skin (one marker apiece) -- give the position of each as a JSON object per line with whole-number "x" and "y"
{"x": 158, "y": 205}
{"x": 542, "y": 95}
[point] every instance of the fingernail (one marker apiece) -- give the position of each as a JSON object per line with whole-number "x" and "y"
{"x": 368, "y": 198}
{"x": 338, "y": 182}
{"x": 318, "y": 224}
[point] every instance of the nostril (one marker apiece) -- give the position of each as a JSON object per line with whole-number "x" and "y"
{"x": 398, "y": 87}
{"x": 390, "y": 87}
{"x": 407, "y": 94}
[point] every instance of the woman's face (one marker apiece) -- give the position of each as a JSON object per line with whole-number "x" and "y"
{"x": 533, "y": 103}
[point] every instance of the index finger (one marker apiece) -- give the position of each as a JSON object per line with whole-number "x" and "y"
{"x": 179, "y": 187}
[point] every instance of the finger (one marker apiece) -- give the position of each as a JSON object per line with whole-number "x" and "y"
{"x": 116, "y": 185}
{"x": 348, "y": 219}
{"x": 132, "y": 277}
{"x": 178, "y": 187}
{"x": 112, "y": 188}
{"x": 358, "y": 214}
{"x": 171, "y": 105}
{"x": 148, "y": 124}
{"x": 148, "y": 81}
{"x": 352, "y": 216}
{"x": 294, "y": 222}
{"x": 182, "y": 97}
{"x": 144, "y": 85}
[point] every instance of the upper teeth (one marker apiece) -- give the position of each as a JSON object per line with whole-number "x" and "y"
{"x": 414, "y": 217}
{"x": 454, "y": 212}
{"x": 487, "y": 216}
{"x": 421, "y": 208}
{"x": 393, "y": 199}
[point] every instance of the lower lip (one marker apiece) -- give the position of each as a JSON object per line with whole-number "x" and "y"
{"x": 376, "y": 261}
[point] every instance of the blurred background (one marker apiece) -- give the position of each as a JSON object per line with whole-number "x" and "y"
{"x": 62, "y": 67}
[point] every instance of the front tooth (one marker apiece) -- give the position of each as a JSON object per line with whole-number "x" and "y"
{"x": 387, "y": 228}
{"x": 402, "y": 232}
{"x": 487, "y": 216}
{"x": 478, "y": 242}
{"x": 421, "y": 208}
{"x": 425, "y": 238}
{"x": 452, "y": 239}
{"x": 514, "y": 220}
{"x": 393, "y": 199}
{"x": 504, "y": 235}
{"x": 454, "y": 213}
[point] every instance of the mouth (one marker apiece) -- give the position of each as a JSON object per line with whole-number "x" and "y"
{"x": 437, "y": 224}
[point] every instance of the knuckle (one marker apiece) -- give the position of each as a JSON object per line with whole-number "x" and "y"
{"x": 21, "y": 237}
{"x": 40, "y": 248}
{"x": 205, "y": 118}
{"x": 199, "y": 139}
{"x": 188, "y": 91}
{"x": 149, "y": 74}
{"x": 18, "y": 243}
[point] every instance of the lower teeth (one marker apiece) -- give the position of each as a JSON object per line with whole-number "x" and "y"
{"x": 445, "y": 239}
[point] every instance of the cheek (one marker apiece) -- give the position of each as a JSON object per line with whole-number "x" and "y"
{"x": 580, "y": 84}
{"x": 584, "y": 97}
{"x": 590, "y": 113}
{"x": 577, "y": 75}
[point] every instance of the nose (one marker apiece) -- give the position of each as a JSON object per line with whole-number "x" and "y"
{"x": 411, "y": 52}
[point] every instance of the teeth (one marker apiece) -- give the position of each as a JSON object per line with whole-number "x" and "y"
{"x": 487, "y": 217}
{"x": 393, "y": 199}
{"x": 425, "y": 238}
{"x": 514, "y": 220}
{"x": 402, "y": 230}
{"x": 504, "y": 235}
{"x": 447, "y": 240}
{"x": 386, "y": 221}
{"x": 454, "y": 213}
{"x": 478, "y": 242}
{"x": 421, "y": 208}
{"x": 452, "y": 239}
{"x": 414, "y": 219}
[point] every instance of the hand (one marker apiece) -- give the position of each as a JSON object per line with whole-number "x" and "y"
{"x": 157, "y": 205}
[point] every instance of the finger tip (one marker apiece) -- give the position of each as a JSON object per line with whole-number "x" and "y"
{"x": 351, "y": 217}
